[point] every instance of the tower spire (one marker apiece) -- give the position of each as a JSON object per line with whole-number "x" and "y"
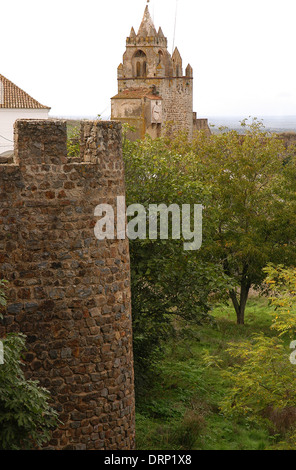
{"x": 147, "y": 27}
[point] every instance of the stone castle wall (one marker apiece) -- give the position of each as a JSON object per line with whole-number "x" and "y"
{"x": 68, "y": 292}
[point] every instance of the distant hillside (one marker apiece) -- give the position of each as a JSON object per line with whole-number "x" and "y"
{"x": 278, "y": 124}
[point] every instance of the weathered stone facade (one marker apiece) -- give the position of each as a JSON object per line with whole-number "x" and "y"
{"x": 68, "y": 292}
{"x": 153, "y": 93}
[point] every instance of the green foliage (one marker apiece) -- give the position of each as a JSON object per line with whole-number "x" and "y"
{"x": 263, "y": 377}
{"x": 182, "y": 411}
{"x": 250, "y": 209}
{"x": 282, "y": 281}
{"x": 167, "y": 282}
{"x": 245, "y": 184}
{"x": 73, "y": 142}
{"x": 250, "y": 219}
{"x": 26, "y": 418}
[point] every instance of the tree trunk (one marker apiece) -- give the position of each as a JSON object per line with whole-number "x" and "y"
{"x": 240, "y": 305}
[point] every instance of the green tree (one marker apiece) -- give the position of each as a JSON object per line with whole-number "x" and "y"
{"x": 246, "y": 185}
{"x": 250, "y": 216}
{"x": 167, "y": 282}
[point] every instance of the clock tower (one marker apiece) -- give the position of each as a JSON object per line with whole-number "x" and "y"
{"x": 152, "y": 89}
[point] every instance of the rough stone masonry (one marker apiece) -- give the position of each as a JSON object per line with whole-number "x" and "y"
{"x": 68, "y": 292}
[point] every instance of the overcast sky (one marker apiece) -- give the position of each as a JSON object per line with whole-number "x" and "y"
{"x": 65, "y": 53}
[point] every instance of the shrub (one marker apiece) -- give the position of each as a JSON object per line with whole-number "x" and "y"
{"x": 262, "y": 382}
{"x": 26, "y": 417}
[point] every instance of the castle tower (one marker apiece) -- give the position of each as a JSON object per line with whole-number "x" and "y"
{"x": 67, "y": 291}
{"x": 152, "y": 90}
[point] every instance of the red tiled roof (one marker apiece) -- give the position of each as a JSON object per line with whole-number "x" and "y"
{"x": 11, "y": 96}
{"x": 137, "y": 93}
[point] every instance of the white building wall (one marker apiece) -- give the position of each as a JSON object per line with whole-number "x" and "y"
{"x": 7, "y": 120}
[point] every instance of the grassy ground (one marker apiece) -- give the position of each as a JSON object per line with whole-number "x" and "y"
{"x": 181, "y": 410}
